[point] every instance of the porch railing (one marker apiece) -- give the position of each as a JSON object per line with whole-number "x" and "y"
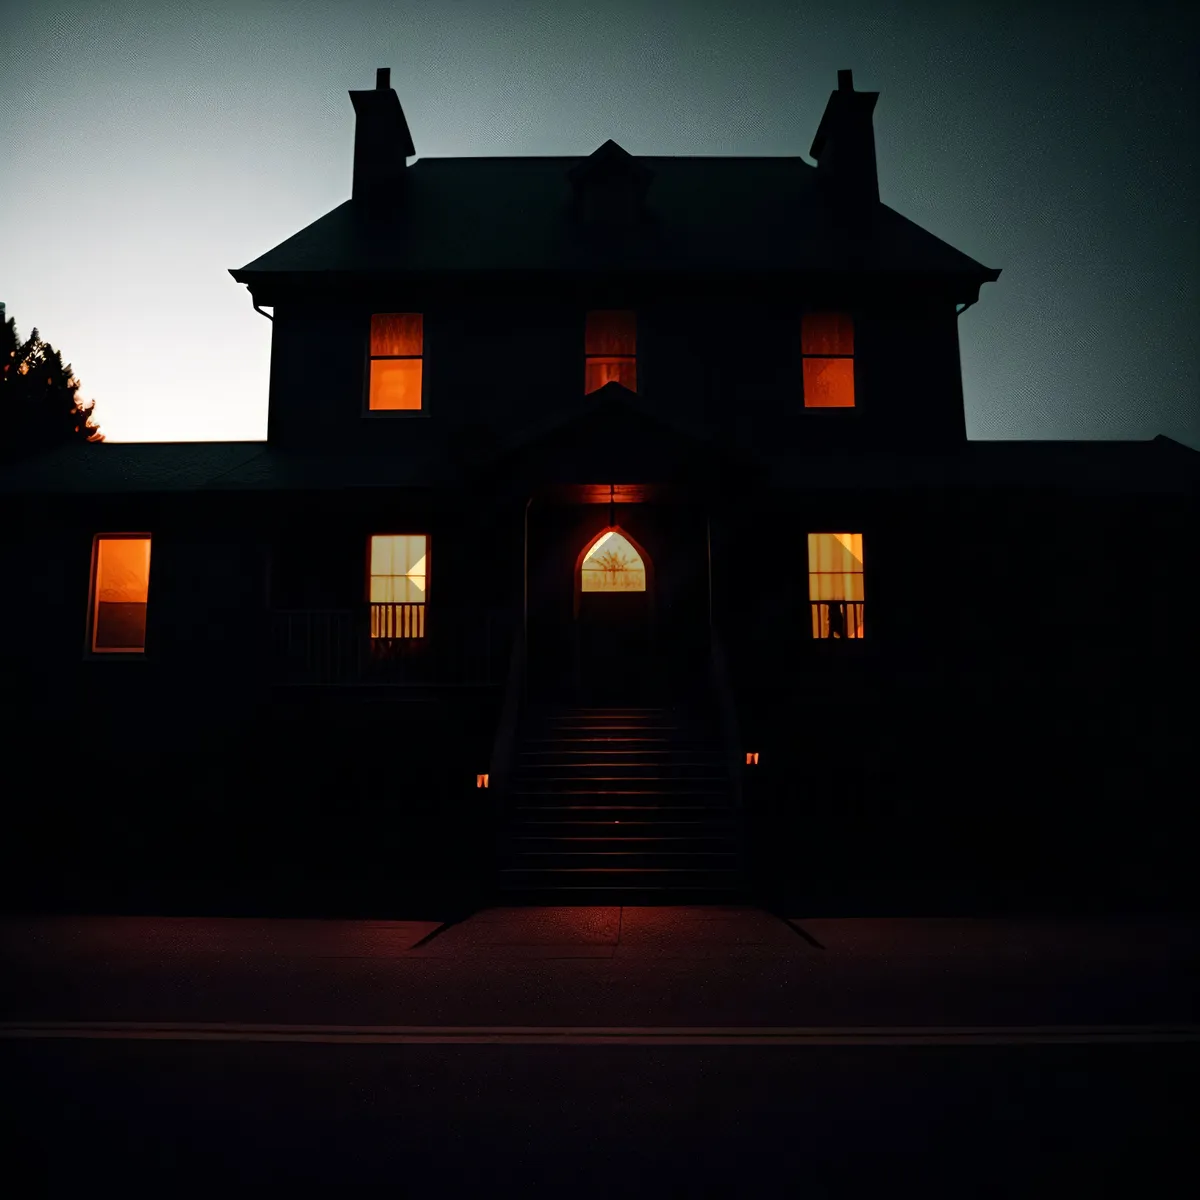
{"x": 837, "y": 618}
{"x": 400, "y": 644}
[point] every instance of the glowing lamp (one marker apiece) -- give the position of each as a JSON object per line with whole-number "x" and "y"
{"x": 481, "y": 781}
{"x": 752, "y": 758}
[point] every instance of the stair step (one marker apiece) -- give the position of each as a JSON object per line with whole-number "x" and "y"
{"x": 599, "y": 896}
{"x": 622, "y": 876}
{"x": 534, "y": 844}
{"x": 616, "y": 754}
{"x": 655, "y": 826}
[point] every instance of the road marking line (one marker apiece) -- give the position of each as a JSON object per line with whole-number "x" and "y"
{"x": 618, "y": 1035}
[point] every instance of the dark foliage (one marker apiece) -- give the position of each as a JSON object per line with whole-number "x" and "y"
{"x": 39, "y": 404}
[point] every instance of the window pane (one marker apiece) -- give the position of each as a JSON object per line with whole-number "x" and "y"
{"x": 835, "y": 565}
{"x": 828, "y": 383}
{"x": 613, "y": 565}
{"x": 397, "y": 333}
{"x": 611, "y": 331}
{"x": 122, "y": 589}
{"x": 826, "y": 333}
{"x": 835, "y": 551}
{"x": 398, "y": 568}
{"x": 599, "y": 371}
{"x": 395, "y": 383}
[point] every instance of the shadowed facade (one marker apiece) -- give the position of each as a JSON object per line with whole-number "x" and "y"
{"x": 639, "y": 488}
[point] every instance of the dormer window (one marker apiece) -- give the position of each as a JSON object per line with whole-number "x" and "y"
{"x": 610, "y": 349}
{"x": 609, "y": 189}
{"x": 397, "y": 343}
{"x": 827, "y": 354}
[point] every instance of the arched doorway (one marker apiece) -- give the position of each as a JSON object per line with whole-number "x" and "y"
{"x": 614, "y": 619}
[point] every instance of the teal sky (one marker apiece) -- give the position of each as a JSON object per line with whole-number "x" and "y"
{"x": 147, "y": 147}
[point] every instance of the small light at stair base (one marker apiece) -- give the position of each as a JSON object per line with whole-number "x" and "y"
{"x": 752, "y": 758}
{"x": 481, "y": 781}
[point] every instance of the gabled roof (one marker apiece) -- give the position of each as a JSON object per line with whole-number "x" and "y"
{"x": 702, "y": 213}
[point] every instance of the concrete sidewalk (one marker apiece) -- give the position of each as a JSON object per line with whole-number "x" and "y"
{"x": 670, "y": 967}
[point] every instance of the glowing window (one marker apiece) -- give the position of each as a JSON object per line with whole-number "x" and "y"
{"x": 827, "y": 355}
{"x": 835, "y": 584}
{"x": 613, "y": 565}
{"x": 610, "y": 349}
{"x": 399, "y": 582}
{"x": 397, "y": 341}
{"x": 120, "y": 587}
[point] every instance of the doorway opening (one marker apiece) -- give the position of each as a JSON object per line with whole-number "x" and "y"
{"x": 615, "y": 642}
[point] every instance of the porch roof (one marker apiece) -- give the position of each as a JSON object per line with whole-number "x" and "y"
{"x": 556, "y": 457}
{"x": 1156, "y": 465}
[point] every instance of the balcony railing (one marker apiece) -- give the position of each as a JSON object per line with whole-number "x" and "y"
{"x": 837, "y": 618}
{"x": 399, "y": 644}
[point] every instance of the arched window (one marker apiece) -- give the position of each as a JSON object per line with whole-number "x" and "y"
{"x": 612, "y": 565}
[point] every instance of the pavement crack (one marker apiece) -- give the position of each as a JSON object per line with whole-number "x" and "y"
{"x": 800, "y": 931}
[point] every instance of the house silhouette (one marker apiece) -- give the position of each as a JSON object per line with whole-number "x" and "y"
{"x": 867, "y": 662}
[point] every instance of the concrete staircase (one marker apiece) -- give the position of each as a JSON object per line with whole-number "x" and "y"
{"x": 619, "y": 806}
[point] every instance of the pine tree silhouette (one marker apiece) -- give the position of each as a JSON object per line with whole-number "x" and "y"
{"x": 39, "y": 405}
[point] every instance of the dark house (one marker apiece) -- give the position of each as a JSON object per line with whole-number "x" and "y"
{"x": 616, "y": 537}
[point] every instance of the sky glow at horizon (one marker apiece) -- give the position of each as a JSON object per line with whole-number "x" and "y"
{"x": 151, "y": 147}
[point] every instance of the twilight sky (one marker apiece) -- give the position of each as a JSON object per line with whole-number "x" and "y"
{"x": 148, "y": 146}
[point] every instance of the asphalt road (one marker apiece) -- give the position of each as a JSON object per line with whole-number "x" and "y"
{"x": 178, "y": 1082}
{"x": 171, "y": 1118}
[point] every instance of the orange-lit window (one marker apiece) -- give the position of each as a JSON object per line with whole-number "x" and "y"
{"x": 397, "y": 341}
{"x": 120, "y": 587}
{"x": 399, "y": 584}
{"x": 610, "y": 349}
{"x": 827, "y": 354}
{"x": 612, "y": 565}
{"x": 835, "y": 584}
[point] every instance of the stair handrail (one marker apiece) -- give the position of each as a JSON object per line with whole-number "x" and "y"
{"x": 727, "y": 713}
{"x": 500, "y": 767}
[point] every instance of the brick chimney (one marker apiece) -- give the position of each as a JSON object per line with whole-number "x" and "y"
{"x": 382, "y": 141}
{"x": 844, "y": 146}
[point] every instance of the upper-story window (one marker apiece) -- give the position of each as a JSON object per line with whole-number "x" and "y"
{"x": 827, "y": 352}
{"x": 610, "y": 349}
{"x": 397, "y": 343}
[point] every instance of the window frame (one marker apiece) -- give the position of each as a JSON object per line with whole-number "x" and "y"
{"x": 89, "y": 632}
{"x": 813, "y": 639}
{"x": 611, "y": 357}
{"x": 374, "y": 533}
{"x": 369, "y": 358}
{"x": 801, "y": 356}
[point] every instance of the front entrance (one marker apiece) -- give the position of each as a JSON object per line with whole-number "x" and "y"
{"x": 616, "y": 660}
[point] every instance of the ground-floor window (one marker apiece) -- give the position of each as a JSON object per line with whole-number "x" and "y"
{"x": 119, "y": 593}
{"x": 835, "y": 584}
{"x": 398, "y": 584}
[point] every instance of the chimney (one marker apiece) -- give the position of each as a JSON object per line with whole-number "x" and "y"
{"x": 382, "y": 142}
{"x": 844, "y": 146}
